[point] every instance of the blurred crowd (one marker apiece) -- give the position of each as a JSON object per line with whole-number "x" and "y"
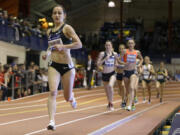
{"x": 23, "y": 27}
{"x": 17, "y": 81}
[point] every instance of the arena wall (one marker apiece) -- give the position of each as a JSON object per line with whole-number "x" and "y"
{"x": 7, "y": 49}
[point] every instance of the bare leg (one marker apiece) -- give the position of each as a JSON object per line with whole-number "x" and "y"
{"x": 126, "y": 82}
{"x": 149, "y": 91}
{"x": 68, "y": 81}
{"x": 111, "y": 87}
{"x": 121, "y": 90}
{"x": 53, "y": 79}
{"x": 144, "y": 85}
{"x": 157, "y": 88}
{"x": 110, "y": 91}
{"x": 132, "y": 88}
{"x": 136, "y": 89}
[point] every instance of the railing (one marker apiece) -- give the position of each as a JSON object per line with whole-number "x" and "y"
{"x": 35, "y": 42}
{"x": 25, "y": 82}
{"x": 14, "y": 35}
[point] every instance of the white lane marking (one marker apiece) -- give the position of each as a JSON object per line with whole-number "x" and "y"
{"x": 43, "y": 99}
{"x": 61, "y": 90}
{"x": 39, "y": 94}
{"x": 37, "y": 117}
{"x": 120, "y": 122}
{"x": 76, "y": 120}
{"x": 41, "y": 105}
{"x": 26, "y": 97}
{"x": 90, "y": 95}
{"x": 72, "y": 111}
{"x": 73, "y": 121}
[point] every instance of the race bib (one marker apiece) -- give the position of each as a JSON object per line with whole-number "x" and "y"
{"x": 55, "y": 41}
{"x": 109, "y": 62}
{"x": 146, "y": 76}
{"x": 160, "y": 77}
{"x": 131, "y": 58}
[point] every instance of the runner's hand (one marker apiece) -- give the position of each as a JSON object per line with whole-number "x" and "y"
{"x": 44, "y": 57}
{"x": 59, "y": 47}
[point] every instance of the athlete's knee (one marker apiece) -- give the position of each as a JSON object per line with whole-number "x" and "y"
{"x": 53, "y": 93}
{"x": 110, "y": 86}
{"x": 131, "y": 87}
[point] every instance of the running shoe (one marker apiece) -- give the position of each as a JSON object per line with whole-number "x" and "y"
{"x": 123, "y": 104}
{"x": 128, "y": 108}
{"x": 135, "y": 99}
{"x": 133, "y": 108}
{"x": 73, "y": 103}
{"x": 144, "y": 100}
{"x": 110, "y": 107}
{"x": 51, "y": 125}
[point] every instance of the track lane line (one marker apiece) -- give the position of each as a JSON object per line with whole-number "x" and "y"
{"x": 76, "y": 120}
{"x": 40, "y": 100}
{"x": 13, "y": 108}
{"x": 118, "y": 123}
{"x": 72, "y": 111}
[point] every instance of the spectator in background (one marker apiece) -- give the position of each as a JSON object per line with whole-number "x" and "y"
{"x": 31, "y": 77}
{"x": 32, "y": 64}
{"x": 17, "y": 80}
{"x": 7, "y": 78}
{"x": 79, "y": 78}
{"x": 36, "y": 82}
{"x": 1, "y": 81}
{"x": 177, "y": 75}
{"x": 5, "y": 18}
{"x": 43, "y": 79}
{"x": 16, "y": 26}
{"x": 1, "y": 16}
{"x": 37, "y": 31}
{"x": 23, "y": 73}
{"x": 90, "y": 65}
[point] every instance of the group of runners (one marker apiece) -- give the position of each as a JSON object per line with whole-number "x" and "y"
{"x": 129, "y": 68}
{"x": 126, "y": 67}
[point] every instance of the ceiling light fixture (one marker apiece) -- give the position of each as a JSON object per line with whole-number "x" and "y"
{"x": 111, "y": 4}
{"x": 127, "y": 1}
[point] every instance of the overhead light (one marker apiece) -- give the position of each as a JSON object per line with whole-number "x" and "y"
{"x": 111, "y": 4}
{"x": 127, "y": 1}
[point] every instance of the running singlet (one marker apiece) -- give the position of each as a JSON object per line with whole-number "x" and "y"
{"x": 58, "y": 37}
{"x": 146, "y": 72}
{"x": 121, "y": 66}
{"x": 160, "y": 75}
{"x": 130, "y": 56}
{"x": 109, "y": 62}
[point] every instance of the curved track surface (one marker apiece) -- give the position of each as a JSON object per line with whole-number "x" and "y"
{"x": 29, "y": 115}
